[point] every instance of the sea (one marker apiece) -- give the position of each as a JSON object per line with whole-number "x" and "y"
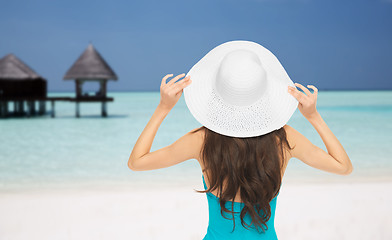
{"x": 91, "y": 151}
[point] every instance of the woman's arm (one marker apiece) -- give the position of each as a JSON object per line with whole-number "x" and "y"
{"x": 336, "y": 160}
{"x": 141, "y": 159}
{"x": 146, "y": 138}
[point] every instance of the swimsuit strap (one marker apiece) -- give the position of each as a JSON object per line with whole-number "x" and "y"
{"x": 204, "y": 183}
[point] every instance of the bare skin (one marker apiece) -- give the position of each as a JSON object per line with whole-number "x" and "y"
{"x": 188, "y": 146}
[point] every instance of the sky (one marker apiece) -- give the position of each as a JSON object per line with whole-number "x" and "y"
{"x": 334, "y": 44}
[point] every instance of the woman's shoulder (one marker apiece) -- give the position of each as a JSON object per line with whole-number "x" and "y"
{"x": 287, "y": 127}
{"x": 290, "y": 133}
{"x": 198, "y": 135}
{"x": 295, "y": 139}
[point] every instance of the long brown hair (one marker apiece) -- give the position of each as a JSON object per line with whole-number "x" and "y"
{"x": 251, "y": 166}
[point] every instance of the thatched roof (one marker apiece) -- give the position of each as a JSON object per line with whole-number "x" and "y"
{"x": 12, "y": 68}
{"x": 90, "y": 65}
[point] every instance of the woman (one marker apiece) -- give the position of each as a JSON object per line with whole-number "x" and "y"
{"x": 243, "y": 97}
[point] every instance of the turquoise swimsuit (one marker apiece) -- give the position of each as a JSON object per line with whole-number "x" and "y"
{"x": 220, "y": 228}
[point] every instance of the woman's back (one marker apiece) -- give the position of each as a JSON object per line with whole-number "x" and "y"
{"x": 222, "y": 228}
{"x": 201, "y": 135}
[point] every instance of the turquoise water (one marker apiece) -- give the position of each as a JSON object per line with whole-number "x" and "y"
{"x": 42, "y": 151}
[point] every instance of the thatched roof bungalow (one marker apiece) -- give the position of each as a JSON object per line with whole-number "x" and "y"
{"x": 17, "y": 80}
{"x": 90, "y": 66}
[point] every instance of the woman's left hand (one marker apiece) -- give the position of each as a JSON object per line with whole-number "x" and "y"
{"x": 172, "y": 91}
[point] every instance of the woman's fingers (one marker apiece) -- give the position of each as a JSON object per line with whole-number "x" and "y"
{"x": 308, "y": 93}
{"x": 163, "y": 82}
{"x": 173, "y": 87}
{"x": 315, "y": 90}
{"x": 175, "y": 79}
{"x": 171, "y": 91}
{"x": 306, "y": 103}
{"x": 183, "y": 80}
{"x": 178, "y": 86}
{"x": 297, "y": 94}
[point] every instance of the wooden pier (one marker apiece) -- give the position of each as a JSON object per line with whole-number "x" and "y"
{"x": 27, "y": 107}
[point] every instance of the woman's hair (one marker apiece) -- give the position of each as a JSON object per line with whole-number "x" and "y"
{"x": 251, "y": 166}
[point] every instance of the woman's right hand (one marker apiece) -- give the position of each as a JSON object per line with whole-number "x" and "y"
{"x": 306, "y": 101}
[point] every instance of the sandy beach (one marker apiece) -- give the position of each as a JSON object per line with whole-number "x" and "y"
{"x": 304, "y": 211}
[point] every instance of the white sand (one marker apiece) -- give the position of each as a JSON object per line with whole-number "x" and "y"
{"x": 304, "y": 211}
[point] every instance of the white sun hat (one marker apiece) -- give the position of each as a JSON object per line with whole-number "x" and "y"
{"x": 239, "y": 89}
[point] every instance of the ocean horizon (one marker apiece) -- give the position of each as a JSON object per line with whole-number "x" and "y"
{"x": 44, "y": 152}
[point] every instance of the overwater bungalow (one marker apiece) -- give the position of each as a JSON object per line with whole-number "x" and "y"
{"x": 91, "y": 67}
{"x": 20, "y": 85}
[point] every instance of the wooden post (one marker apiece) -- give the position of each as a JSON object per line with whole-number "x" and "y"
{"x": 53, "y": 110}
{"x": 104, "y": 110}
{"x": 77, "y": 112}
{"x": 2, "y": 109}
{"x": 78, "y": 88}
{"x": 33, "y": 107}
{"x": 29, "y": 108}
{"x": 42, "y": 107}
{"x": 21, "y": 107}
{"x": 6, "y": 108}
{"x": 102, "y": 89}
{"x": 16, "y": 108}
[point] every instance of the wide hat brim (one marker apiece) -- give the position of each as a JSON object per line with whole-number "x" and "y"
{"x": 271, "y": 112}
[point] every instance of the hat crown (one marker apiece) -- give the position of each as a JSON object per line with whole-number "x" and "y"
{"x": 241, "y": 79}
